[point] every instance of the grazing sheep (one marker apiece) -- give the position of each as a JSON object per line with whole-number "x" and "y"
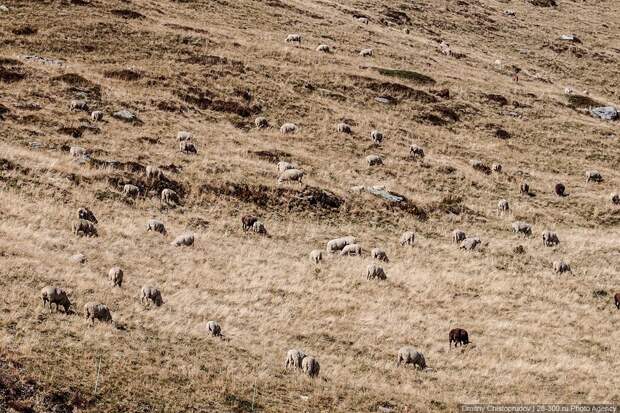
{"x": 283, "y": 166}
{"x": 458, "y": 336}
{"x": 55, "y": 295}
{"x": 184, "y": 136}
{"x": 261, "y": 122}
{"x": 84, "y": 228}
{"x": 519, "y": 227}
{"x": 561, "y": 267}
{"x": 79, "y": 258}
{"x": 169, "y": 197}
{"x": 480, "y": 166}
{"x": 294, "y": 38}
{"x": 416, "y": 152}
{"x": 87, "y": 214}
{"x": 116, "y": 276}
{"x": 615, "y": 198}
{"x": 373, "y": 160}
{"x": 214, "y": 328}
{"x": 408, "y": 238}
{"x": 187, "y": 147}
{"x": 458, "y": 236}
{"x": 524, "y": 188}
{"x": 324, "y": 48}
{"x": 291, "y": 175}
{"x": 95, "y": 311}
{"x": 259, "y": 228}
{"x": 502, "y": 206}
{"x": 559, "y": 189}
{"x": 131, "y": 190}
{"x": 409, "y": 355}
{"x": 379, "y": 255}
{"x": 294, "y": 358}
{"x": 183, "y": 240}
{"x": 496, "y": 167}
{"x": 152, "y": 294}
{"x": 351, "y": 250}
{"x": 366, "y": 52}
{"x": 376, "y": 137}
{"x": 153, "y": 172}
{"x": 374, "y": 271}
{"x": 593, "y": 176}
{"x": 77, "y": 151}
{"x": 247, "y": 221}
{"x": 444, "y": 47}
{"x": 310, "y": 366}
{"x": 76, "y": 105}
{"x": 363, "y": 20}
{"x": 96, "y": 115}
{"x": 288, "y": 128}
{"x": 316, "y": 256}
{"x": 470, "y": 243}
{"x": 343, "y": 128}
{"x": 550, "y": 238}
{"x": 617, "y": 300}
{"x": 338, "y": 244}
{"x": 156, "y": 226}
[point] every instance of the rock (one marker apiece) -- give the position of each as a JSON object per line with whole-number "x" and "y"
{"x": 570, "y": 38}
{"x": 3, "y": 8}
{"x": 380, "y": 191}
{"x": 43, "y": 60}
{"x": 510, "y": 13}
{"x": 605, "y": 112}
{"x": 387, "y": 100}
{"x": 126, "y": 116}
{"x": 79, "y": 258}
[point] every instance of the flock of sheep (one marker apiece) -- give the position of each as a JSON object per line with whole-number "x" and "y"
{"x": 345, "y": 246}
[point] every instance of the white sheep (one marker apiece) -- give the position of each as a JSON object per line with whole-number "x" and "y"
{"x": 288, "y": 128}
{"x": 55, "y": 295}
{"x": 77, "y": 151}
{"x": 283, "y": 166}
{"x": 409, "y": 355}
{"x": 374, "y": 160}
{"x": 259, "y": 228}
{"x": 152, "y": 294}
{"x": 153, "y": 172}
{"x": 96, "y": 116}
{"x": 310, "y": 366}
{"x": 323, "y": 48}
{"x": 444, "y": 47}
{"x": 156, "y": 226}
{"x": 343, "y": 128}
{"x": 375, "y": 271}
{"x": 458, "y": 236}
{"x": 376, "y": 137}
{"x": 291, "y": 175}
{"x": 379, "y": 255}
{"x": 351, "y": 250}
{"x": 519, "y": 227}
{"x": 316, "y": 256}
{"x": 502, "y": 206}
{"x": 294, "y": 358}
{"x": 363, "y": 20}
{"x": 169, "y": 197}
{"x": 366, "y": 52}
{"x": 186, "y": 240}
{"x": 561, "y": 267}
{"x": 550, "y": 238}
{"x": 338, "y": 244}
{"x": 593, "y": 176}
{"x": 294, "y": 38}
{"x": 408, "y": 238}
{"x": 130, "y": 190}
{"x": 214, "y": 328}
{"x": 184, "y": 136}
{"x": 115, "y": 275}
{"x": 261, "y": 122}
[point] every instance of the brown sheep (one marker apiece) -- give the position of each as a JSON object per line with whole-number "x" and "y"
{"x": 458, "y": 336}
{"x": 84, "y": 228}
{"x": 525, "y": 188}
{"x": 87, "y": 214}
{"x": 247, "y": 221}
{"x": 617, "y": 300}
{"x": 560, "y": 189}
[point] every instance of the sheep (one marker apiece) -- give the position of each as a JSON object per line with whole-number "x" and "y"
{"x": 408, "y": 238}
{"x": 184, "y": 136}
{"x": 374, "y": 160}
{"x": 183, "y": 240}
{"x": 366, "y": 52}
{"x": 363, "y": 20}
{"x": 294, "y": 38}
{"x": 55, "y": 295}
{"x": 76, "y": 105}
{"x": 283, "y": 166}
{"x": 470, "y": 243}
{"x": 617, "y": 300}
{"x": 339, "y": 243}
{"x": 214, "y": 328}
{"x": 85, "y": 228}
{"x": 316, "y": 256}
{"x": 77, "y": 151}
{"x": 294, "y": 358}
{"x": 130, "y": 190}
{"x": 569, "y": 90}
{"x": 519, "y": 227}
{"x": 559, "y": 189}
{"x": 379, "y": 255}
{"x": 444, "y": 47}
{"x": 261, "y": 122}
{"x": 344, "y": 128}
{"x": 291, "y": 175}
{"x": 169, "y": 197}
{"x": 323, "y": 48}
{"x": 615, "y": 198}
{"x": 409, "y": 355}
{"x": 376, "y": 137}
{"x": 154, "y": 173}
{"x": 96, "y": 116}
{"x": 115, "y": 275}
{"x": 79, "y": 258}
{"x": 87, "y": 214}
{"x": 259, "y": 228}
{"x": 310, "y": 366}
{"x": 152, "y": 294}
{"x": 351, "y": 250}
{"x": 496, "y": 167}
{"x": 288, "y": 128}
{"x": 247, "y": 221}
{"x": 458, "y": 236}
{"x": 96, "y": 311}
{"x": 416, "y": 152}
{"x": 374, "y": 271}
{"x": 478, "y": 165}
{"x": 156, "y": 226}
{"x": 561, "y": 267}
{"x": 502, "y": 206}
{"x": 550, "y": 238}
{"x": 593, "y": 176}
{"x": 187, "y": 147}
{"x": 458, "y": 336}
{"x": 524, "y": 188}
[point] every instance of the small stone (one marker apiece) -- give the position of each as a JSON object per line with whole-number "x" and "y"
{"x": 605, "y": 112}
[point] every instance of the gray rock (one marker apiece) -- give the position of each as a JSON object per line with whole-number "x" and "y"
{"x": 43, "y": 60}
{"x": 570, "y": 38}
{"x": 605, "y": 112}
{"x": 3, "y": 8}
{"x": 126, "y": 116}
{"x": 387, "y": 100}
{"x": 380, "y": 191}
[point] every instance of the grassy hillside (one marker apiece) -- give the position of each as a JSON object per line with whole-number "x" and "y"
{"x": 211, "y": 67}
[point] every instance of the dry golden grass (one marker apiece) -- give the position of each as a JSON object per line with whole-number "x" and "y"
{"x": 536, "y": 336}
